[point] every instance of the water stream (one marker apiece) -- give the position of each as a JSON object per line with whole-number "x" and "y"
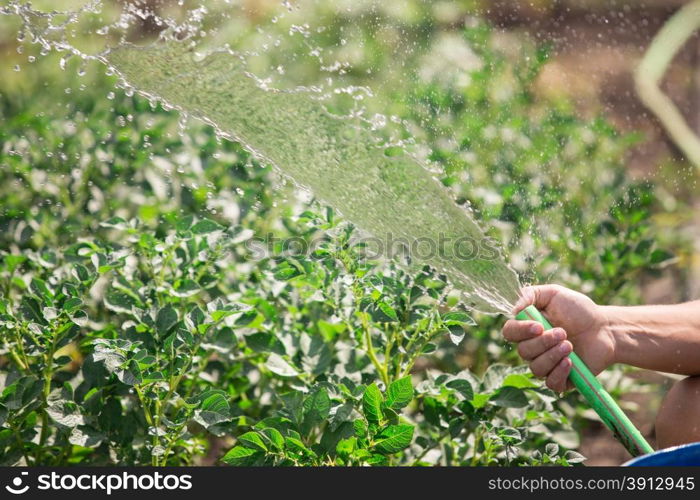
{"x": 391, "y": 196}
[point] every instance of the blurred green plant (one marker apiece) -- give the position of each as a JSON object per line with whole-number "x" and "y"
{"x": 138, "y": 328}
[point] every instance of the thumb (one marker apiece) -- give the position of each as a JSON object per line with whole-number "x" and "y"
{"x": 539, "y": 296}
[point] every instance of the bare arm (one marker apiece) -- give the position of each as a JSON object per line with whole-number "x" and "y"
{"x": 661, "y": 338}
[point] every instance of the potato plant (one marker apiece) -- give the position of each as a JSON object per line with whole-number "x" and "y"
{"x": 140, "y": 325}
{"x": 139, "y": 349}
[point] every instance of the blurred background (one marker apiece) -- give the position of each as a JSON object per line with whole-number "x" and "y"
{"x": 535, "y": 88}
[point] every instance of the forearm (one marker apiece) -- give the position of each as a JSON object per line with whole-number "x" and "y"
{"x": 662, "y": 338}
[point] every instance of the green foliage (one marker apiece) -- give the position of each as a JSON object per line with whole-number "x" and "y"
{"x": 139, "y": 323}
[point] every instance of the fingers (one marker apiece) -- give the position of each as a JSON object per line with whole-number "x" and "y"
{"x": 547, "y": 351}
{"x": 539, "y": 296}
{"x": 535, "y": 347}
{"x": 557, "y": 380}
{"x": 543, "y": 365}
{"x": 518, "y": 331}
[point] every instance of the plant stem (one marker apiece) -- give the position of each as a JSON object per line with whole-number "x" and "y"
{"x": 48, "y": 375}
{"x": 432, "y": 332}
{"x": 477, "y": 438}
{"x": 20, "y": 364}
{"x": 20, "y": 443}
{"x": 171, "y": 442}
{"x": 146, "y": 411}
{"x": 149, "y": 420}
{"x": 370, "y": 350}
{"x": 442, "y": 436}
{"x": 20, "y": 345}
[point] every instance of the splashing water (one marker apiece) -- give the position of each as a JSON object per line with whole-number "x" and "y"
{"x": 340, "y": 161}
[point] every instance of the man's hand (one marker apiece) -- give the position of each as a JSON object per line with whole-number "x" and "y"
{"x": 579, "y": 324}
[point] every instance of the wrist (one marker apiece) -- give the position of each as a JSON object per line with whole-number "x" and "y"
{"x": 611, "y": 320}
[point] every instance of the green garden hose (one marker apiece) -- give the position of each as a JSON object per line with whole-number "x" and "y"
{"x": 596, "y": 396}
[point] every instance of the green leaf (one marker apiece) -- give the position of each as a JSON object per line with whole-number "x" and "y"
{"x": 388, "y": 311}
{"x": 3, "y": 413}
{"x": 519, "y": 381}
{"x": 39, "y": 287}
{"x": 80, "y": 318}
{"x": 457, "y": 319}
{"x": 206, "y": 226}
{"x": 166, "y": 320}
{"x": 214, "y": 409}
{"x": 293, "y": 405}
{"x": 343, "y": 413}
{"x": 81, "y": 272}
{"x": 285, "y": 272}
{"x": 346, "y": 446}
{"x": 317, "y": 407}
{"x": 50, "y": 313}
{"x": 275, "y": 437}
{"x": 195, "y": 317}
{"x": 72, "y": 304}
{"x": 185, "y": 288}
{"x": 85, "y": 436}
{"x": 62, "y": 360}
{"x": 479, "y": 400}
{"x": 393, "y": 439}
{"x": 510, "y": 436}
{"x": 317, "y": 356}
{"x": 399, "y": 393}
{"x": 429, "y": 348}
{"x": 115, "y": 223}
{"x": 184, "y": 223}
{"x": 372, "y": 403}
{"x": 360, "y": 428}
{"x": 119, "y": 302}
{"x": 295, "y": 444}
{"x": 659, "y": 257}
{"x": 277, "y": 365}
{"x": 510, "y": 397}
{"x": 131, "y": 375}
{"x": 31, "y": 310}
{"x": 456, "y": 334}
{"x": 22, "y": 392}
{"x": 552, "y": 449}
{"x": 462, "y": 386}
{"x": 152, "y": 376}
{"x": 215, "y": 401}
{"x": 241, "y": 456}
{"x": 252, "y": 440}
{"x": 264, "y": 342}
{"x": 573, "y": 457}
{"x": 12, "y": 261}
{"x": 65, "y": 413}
{"x": 494, "y": 376}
